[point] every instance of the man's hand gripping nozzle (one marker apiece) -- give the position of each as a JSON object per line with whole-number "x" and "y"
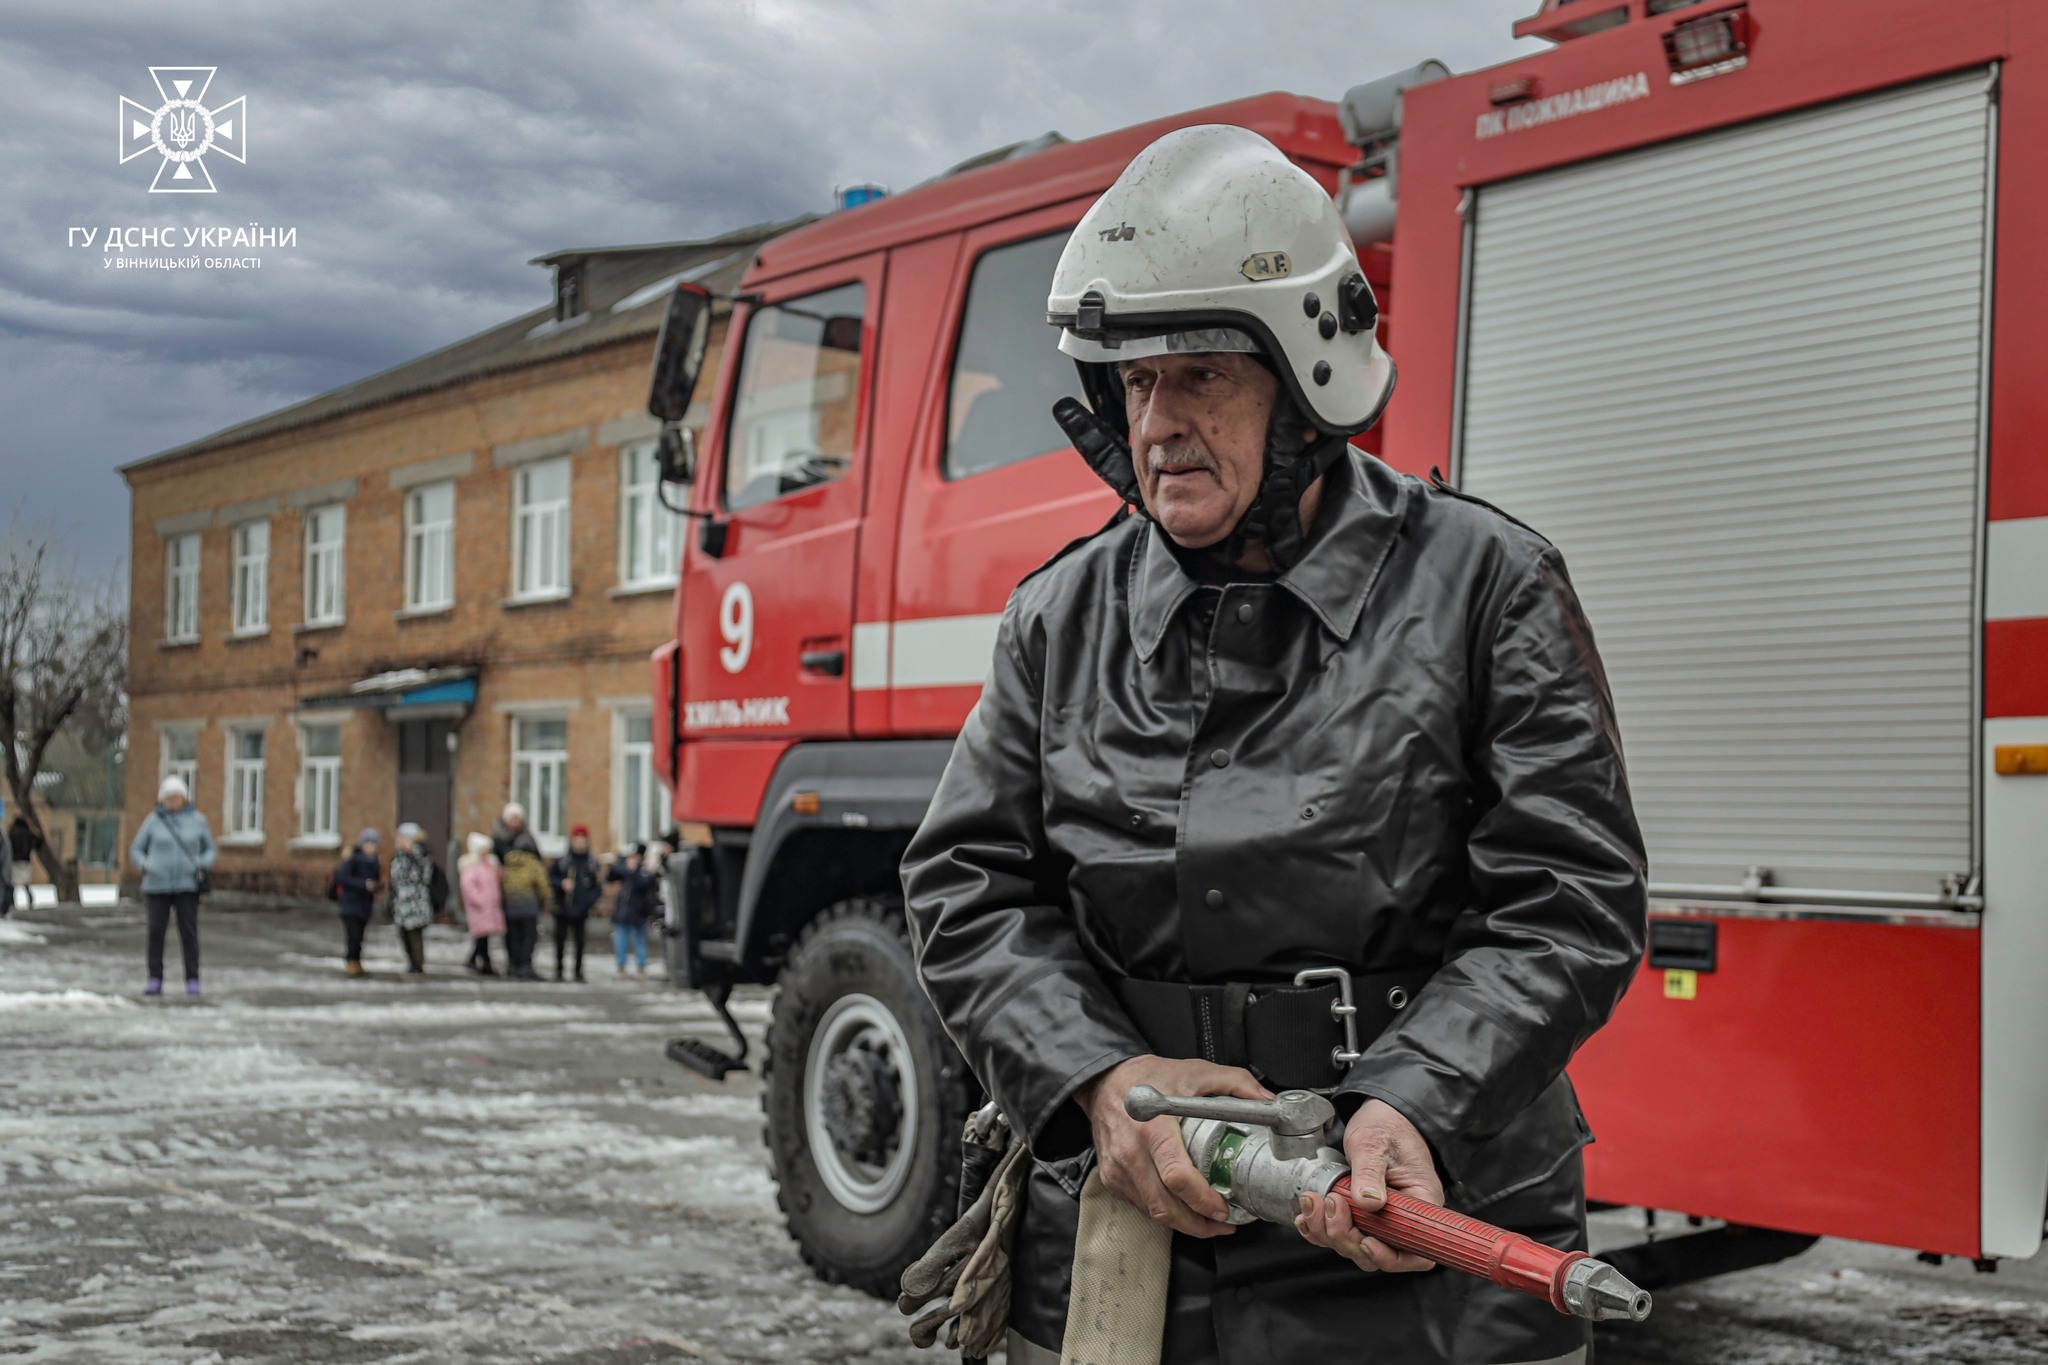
{"x": 1263, "y": 1155}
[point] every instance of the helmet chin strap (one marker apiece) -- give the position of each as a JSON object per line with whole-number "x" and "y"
{"x": 1292, "y": 465}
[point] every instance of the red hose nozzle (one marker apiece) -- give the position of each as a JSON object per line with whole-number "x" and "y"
{"x": 1569, "y": 1281}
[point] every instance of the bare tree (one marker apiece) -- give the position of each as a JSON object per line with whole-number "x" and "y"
{"x": 63, "y": 660}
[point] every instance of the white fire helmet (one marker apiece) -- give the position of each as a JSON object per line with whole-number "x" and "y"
{"x": 1212, "y": 240}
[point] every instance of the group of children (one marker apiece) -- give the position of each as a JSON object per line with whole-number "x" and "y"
{"x": 506, "y": 886}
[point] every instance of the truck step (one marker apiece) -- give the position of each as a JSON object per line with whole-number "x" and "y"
{"x": 703, "y": 1058}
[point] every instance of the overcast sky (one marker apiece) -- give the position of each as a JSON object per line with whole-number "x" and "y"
{"x": 426, "y": 150}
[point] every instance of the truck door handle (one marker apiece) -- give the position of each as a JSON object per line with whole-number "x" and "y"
{"x": 830, "y": 662}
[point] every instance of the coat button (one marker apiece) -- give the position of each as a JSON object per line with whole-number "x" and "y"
{"x": 1214, "y": 899}
{"x": 1244, "y": 611}
{"x": 1221, "y": 758}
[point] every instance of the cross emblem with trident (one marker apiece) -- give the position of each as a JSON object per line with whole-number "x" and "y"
{"x": 184, "y": 130}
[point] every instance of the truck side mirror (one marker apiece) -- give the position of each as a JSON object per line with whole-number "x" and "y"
{"x": 841, "y": 334}
{"x": 679, "y": 352}
{"x": 675, "y": 455}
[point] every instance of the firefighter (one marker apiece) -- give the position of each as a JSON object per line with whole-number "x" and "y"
{"x": 1296, "y": 712}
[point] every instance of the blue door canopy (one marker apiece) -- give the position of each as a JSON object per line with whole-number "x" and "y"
{"x": 399, "y": 688}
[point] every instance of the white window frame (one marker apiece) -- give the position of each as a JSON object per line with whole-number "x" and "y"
{"x": 659, "y": 532}
{"x": 181, "y": 588}
{"x": 537, "y": 776}
{"x": 242, "y": 793}
{"x": 249, "y": 578}
{"x": 318, "y": 791}
{"x": 654, "y": 793}
{"x": 185, "y": 769}
{"x": 326, "y": 566}
{"x": 432, "y": 544}
{"x": 540, "y": 533}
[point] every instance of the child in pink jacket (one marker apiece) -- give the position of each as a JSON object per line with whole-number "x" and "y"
{"x": 483, "y": 901}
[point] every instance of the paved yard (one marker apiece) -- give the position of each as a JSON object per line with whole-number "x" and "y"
{"x": 306, "y": 1169}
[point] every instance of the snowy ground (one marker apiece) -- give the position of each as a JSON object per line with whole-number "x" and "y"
{"x": 306, "y": 1168}
{"x": 45, "y": 895}
{"x": 310, "y": 1169}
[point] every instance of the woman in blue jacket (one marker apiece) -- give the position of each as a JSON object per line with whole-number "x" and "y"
{"x": 173, "y": 850}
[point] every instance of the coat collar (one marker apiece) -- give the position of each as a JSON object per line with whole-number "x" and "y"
{"x": 1364, "y": 505}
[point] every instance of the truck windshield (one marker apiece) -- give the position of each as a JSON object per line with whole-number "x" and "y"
{"x": 799, "y": 388}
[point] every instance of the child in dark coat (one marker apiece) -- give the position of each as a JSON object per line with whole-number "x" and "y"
{"x": 577, "y": 880}
{"x": 356, "y": 883}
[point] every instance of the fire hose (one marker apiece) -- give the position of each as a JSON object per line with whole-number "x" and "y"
{"x": 1263, "y": 1155}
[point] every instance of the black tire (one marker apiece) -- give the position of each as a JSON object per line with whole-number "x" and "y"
{"x": 858, "y": 952}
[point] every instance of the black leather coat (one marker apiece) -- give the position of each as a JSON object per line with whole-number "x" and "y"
{"x": 1401, "y": 754}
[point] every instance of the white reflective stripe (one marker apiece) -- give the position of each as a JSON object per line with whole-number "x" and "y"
{"x": 2013, "y": 1084}
{"x": 2016, "y": 577}
{"x": 944, "y": 651}
{"x": 870, "y": 656}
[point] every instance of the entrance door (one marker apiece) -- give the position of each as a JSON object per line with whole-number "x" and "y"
{"x": 426, "y": 783}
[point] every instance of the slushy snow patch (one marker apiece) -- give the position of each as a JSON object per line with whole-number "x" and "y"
{"x": 73, "y": 999}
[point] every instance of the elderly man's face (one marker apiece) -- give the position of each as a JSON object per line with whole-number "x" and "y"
{"x": 1198, "y": 438}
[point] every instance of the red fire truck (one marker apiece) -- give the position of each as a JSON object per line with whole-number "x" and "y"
{"x": 1740, "y": 304}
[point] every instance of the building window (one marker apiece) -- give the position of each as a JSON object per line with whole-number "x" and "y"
{"x": 249, "y": 590}
{"x": 245, "y": 785}
{"x": 568, "y": 292}
{"x": 178, "y": 756}
{"x": 181, "y": 588}
{"x": 326, "y": 529}
{"x": 99, "y": 840}
{"x": 430, "y": 547}
{"x": 1005, "y": 378}
{"x": 643, "y": 800}
{"x": 320, "y": 784}
{"x": 540, "y": 776}
{"x": 540, "y": 530}
{"x": 798, "y": 394}
{"x": 650, "y": 536}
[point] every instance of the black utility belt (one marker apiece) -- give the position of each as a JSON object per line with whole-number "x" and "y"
{"x": 1299, "y": 1037}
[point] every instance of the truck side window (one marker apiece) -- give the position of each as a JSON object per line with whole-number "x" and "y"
{"x": 1007, "y": 369}
{"x": 799, "y": 390}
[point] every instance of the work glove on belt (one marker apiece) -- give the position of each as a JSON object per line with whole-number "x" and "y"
{"x": 968, "y": 1268}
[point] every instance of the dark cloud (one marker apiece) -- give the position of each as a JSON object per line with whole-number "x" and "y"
{"x": 426, "y": 151}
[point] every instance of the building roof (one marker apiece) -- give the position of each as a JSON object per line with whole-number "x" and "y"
{"x": 631, "y": 293}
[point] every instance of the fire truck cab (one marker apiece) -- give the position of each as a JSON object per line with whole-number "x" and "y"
{"x": 1736, "y": 304}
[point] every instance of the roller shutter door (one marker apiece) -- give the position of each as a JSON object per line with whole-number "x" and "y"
{"x": 1736, "y": 379}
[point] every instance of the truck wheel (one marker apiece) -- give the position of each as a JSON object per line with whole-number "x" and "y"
{"x": 865, "y": 1100}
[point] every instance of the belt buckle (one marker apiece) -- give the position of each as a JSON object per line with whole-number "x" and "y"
{"x": 1343, "y": 1010}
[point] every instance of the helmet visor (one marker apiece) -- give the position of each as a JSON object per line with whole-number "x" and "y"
{"x": 1110, "y": 346}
